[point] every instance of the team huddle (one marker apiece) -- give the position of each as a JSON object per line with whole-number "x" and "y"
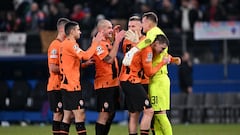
{"x": 143, "y": 77}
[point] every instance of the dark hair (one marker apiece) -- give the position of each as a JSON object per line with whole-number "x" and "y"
{"x": 162, "y": 39}
{"x": 151, "y": 16}
{"x": 69, "y": 26}
{"x": 62, "y": 21}
{"x": 134, "y": 18}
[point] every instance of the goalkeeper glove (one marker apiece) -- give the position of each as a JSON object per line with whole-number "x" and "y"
{"x": 132, "y": 36}
{"x": 129, "y": 56}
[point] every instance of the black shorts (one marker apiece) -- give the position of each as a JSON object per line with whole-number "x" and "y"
{"x": 55, "y": 100}
{"x": 145, "y": 86}
{"x": 108, "y": 99}
{"x": 136, "y": 97}
{"x": 72, "y": 100}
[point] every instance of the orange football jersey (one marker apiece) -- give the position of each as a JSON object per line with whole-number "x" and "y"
{"x": 54, "y": 79}
{"x": 70, "y": 58}
{"x": 106, "y": 73}
{"x": 141, "y": 63}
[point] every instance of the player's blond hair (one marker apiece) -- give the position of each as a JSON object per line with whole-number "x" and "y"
{"x": 102, "y": 23}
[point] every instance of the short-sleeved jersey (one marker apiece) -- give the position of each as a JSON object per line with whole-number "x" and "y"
{"x": 106, "y": 73}
{"x": 150, "y": 37}
{"x": 70, "y": 58}
{"x": 54, "y": 79}
{"x": 142, "y": 61}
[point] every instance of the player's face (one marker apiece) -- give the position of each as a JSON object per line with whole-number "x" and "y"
{"x": 108, "y": 30}
{"x": 77, "y": 32}
{"x": 135, "y": 26}
{"x": 158, "y": 47}
{"x": 146, "y": 24}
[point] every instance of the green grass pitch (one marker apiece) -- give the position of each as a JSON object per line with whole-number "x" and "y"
{"x": 192, "y": 129}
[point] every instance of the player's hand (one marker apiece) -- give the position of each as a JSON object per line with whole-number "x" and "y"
{"x": 127, "y": 60}
{"x": 116, "y": 28}
{"x": 89, "y": 62}
{"x": 167, "y": 59}
{"x": 99, "y": 37}
{"x": 176, "y": 60}
{"x": 119, "y": 35}
{"x": 132, "y": 36}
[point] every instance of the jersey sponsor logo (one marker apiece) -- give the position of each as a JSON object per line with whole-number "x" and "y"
{"x": 106, "y": 105}
{"x": 99, "y": 50}
{"x": 53, "y": 54}
{"x": 76, "y": 48}
{"x": 149, "y": 57}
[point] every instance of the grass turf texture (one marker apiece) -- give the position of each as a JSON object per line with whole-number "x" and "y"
{"x": 193, "y": 129}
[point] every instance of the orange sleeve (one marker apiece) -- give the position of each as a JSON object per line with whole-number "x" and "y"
{"x": 147, "y": 56}
{"x": 85, "y": 55}
{"x": 89, "y": 53}
{"x": 101, "y": 50}
{"x": 53, "y": 52}
{"x": 155, "y": 69}
{"x": 171, "y": 60}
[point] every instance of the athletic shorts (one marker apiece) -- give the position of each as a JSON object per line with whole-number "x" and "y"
{"x": 145, "y": 86}
{"x": 72, "y": 100}
{"x": 136, "y": 97}
{"x": 55, "y": 100}
{"x": 108, "y": 99}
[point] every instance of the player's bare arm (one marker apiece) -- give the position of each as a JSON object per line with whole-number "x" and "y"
{"x": 54, "y": 68}
{"x": 112, "y": 54}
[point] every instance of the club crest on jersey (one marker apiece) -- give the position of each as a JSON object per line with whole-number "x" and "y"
{"x": 146, "y": 102}
{"x": 81, "y": 102}
{"x": 149, "y": 57}
{"x": 99, "y": 50}
{"x": 106, "y": 105}
{"x": 59, "y": 104}
{"x": 53, "y": 53}
{"x": 76, "y": 48}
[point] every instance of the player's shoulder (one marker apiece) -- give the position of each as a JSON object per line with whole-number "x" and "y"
{"x": 103, "y": 45}
{"x": 147, "y": 49}
{"x": 147, "y": 53}
{"x": 69, "y": 44}
{"x": 53, "y": 49}
{"x": 155, "y": 30}
{"x": 54, "y": 46}
{"x": 55, "y": 43}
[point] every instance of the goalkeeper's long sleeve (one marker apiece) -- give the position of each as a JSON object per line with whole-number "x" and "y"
{"x": 150, "y": 37}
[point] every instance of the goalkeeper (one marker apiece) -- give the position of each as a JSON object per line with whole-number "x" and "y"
{"x": 159, "y": 86}
{"x": 149, "y": 24}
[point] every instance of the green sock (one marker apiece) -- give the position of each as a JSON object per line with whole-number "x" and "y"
{"x": 162, "y": 125}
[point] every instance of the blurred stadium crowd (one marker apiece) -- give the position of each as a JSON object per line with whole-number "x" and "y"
{"x": 175, "y": 18}
{"x": 32, "y": 15}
